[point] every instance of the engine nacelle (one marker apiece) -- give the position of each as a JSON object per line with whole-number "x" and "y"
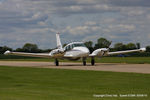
{"x": 142, "y": 49}
{"x": 57, "y": 53}
{"x": 100, "y": 52}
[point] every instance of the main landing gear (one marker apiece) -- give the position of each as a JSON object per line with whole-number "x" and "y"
{"x": 56, "y": 62}
{"x": 84, "y": 61}
{"x": 92, "y": 61}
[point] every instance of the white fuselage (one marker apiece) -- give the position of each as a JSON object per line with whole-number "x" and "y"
{"x": 71, "y": 52}
{"x": 77, "y": 52}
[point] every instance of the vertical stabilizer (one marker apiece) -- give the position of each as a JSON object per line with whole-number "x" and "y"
{"x": 59, "y": 45}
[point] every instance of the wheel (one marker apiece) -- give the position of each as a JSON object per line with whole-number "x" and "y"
{"x": 56, "y": 62}
{"x": 84, "y": 63}
{"x": 92, "y": 61}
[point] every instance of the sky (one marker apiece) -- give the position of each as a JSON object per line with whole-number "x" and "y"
{"x": 37, "y": 21}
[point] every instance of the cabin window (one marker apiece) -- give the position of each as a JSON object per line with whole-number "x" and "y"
{"x": 67, "y": 48}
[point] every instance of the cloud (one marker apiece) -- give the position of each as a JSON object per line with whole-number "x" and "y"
{"x": 37, "y": 21}
{"x": 89, "y": 27}
{"x": 148, "y": 16}
{"x": 130, "y": 3}
{"x": 121, "y": 28}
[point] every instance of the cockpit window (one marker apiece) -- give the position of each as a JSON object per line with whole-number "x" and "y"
{"x": 78, "y": 45}
{"x": 71, "y": 46}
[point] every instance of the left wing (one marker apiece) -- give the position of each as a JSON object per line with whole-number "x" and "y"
{"x": 105, "y": 52}
{"x": 127, "y": 51}
{"x": 44, "y": 55}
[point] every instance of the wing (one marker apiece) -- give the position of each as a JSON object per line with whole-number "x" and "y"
{"x": 44, "y": 55}
{"x": 127, "y": 51}
{"x": 105, "y": 52}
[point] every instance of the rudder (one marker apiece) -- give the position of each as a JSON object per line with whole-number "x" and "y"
{"x": 59, "y": 45}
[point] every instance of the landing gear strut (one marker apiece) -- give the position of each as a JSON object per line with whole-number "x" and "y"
{"x": 92, "y": 61}
{"x": 56, "y": 62}
{"x": 84, "y": 61}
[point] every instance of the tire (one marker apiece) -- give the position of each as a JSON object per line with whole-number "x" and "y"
{"x": 84, "y": 63}
{"x": 92, "y": 62}
{"x": 56, "y": 62}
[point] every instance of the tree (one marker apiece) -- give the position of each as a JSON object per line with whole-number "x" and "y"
{"x": 28, "y": 47}
{"x": 19, "y": 50}
{"x": 131, "y": 46}
{"x": 45, "y": 50}
{"x": 89, "y": 45}
{"x": 64, "y": 45}
{"x": 119, "y": 47}
{"x": 148, "y": 49}
{"x": 138, "y": 46}
{"x": 102, "y": 43}
{"x": 4, "y": 48}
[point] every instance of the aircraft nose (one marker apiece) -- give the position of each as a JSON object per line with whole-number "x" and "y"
{"x": 85, "y": 50}
{"x": 82, "y": 51}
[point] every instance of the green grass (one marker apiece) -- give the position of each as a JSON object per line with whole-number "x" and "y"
{"x": 55, "y": 84}
{"x": 132, "y": 60}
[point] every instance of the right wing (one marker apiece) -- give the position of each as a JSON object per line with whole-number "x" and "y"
{"x": 44, "y": 55}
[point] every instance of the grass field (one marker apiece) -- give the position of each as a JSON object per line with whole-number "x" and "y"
{"x": 132, "y": 60}
{"x": 55, "y": 84}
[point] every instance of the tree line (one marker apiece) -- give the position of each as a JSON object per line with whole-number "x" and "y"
{"x": 104, "y": 43}
{"x": 101, "y": 43}
{"x": 28, "y": 47}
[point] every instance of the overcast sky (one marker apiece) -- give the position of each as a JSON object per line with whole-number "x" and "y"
{"x": 37, "y": 21}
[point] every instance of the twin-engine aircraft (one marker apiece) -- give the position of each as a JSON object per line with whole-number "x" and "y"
{"x": 73, "y": 51}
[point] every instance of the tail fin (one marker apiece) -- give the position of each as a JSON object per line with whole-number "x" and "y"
{"x": 59, "y": 45}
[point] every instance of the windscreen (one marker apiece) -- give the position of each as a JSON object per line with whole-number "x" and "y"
{"x": 78, "y": 45}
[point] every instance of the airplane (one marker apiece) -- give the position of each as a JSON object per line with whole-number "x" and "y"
{"x": 73, "y": 51}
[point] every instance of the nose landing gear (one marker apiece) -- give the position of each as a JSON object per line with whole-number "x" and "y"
{"x": 56, "y": 62}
